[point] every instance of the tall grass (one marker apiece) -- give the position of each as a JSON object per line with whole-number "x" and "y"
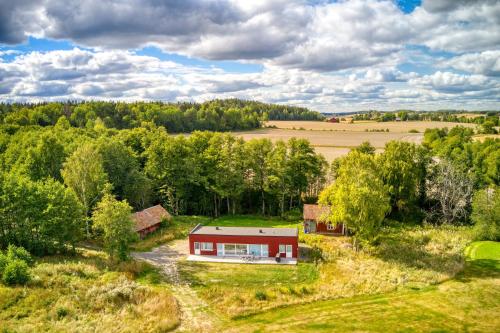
{"x": 86, "y": 293}
{"x": 406, "y": 258}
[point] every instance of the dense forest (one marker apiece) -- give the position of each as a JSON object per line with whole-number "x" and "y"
{"x": 216, "y": 115}
{"x": 62, "y": 181}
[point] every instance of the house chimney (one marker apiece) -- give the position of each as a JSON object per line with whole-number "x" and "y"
{"x": 260, "y": 230}
{"x": 217, "y": 228}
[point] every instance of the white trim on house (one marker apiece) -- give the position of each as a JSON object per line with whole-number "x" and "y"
{"x": 207, "y": 246}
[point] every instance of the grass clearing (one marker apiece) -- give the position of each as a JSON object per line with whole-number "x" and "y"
{"x": 467, "y": 303}
{"x": 86, "y": 293}
{"x": 407, "y": 258}
{"x": 178, "y": 228}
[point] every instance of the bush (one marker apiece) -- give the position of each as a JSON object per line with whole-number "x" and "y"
{"x": 260, "y": 295}
{"x": 15, "y": 252}
{"x": 61, "y": 313}
{"x": 16, "y": 272}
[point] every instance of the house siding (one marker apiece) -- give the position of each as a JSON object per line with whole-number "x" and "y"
{"x": 273, "y": 242}
{"x": 321, "y": 228}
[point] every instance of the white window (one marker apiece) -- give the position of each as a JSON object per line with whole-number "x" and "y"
{"x": 329, "y": 226}
{"x": 282, "y": 248}
{"x": 207, "y": 246}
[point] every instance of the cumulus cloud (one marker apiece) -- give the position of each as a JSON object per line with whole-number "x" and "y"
{"x": 485, "y": 63}
{"x": 321, "y": 54}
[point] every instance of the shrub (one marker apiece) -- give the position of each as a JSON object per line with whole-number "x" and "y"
{"x": 16, "y": 272}
{"x": 413, "y": 131}
{"x": 15, "y": 252}
{"x": 61, "y": 313}
{"x": 260, "y": 295}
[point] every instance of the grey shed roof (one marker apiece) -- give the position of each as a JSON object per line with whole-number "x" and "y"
{"x": 244, "y": 231}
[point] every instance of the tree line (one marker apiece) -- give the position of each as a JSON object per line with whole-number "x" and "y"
{"x": 487, "y": 119}
{"x": 215, "y": 115}
{"x": 57, "y": 183}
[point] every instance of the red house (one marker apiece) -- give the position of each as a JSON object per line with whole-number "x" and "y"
{"x": 149, "y": 219}
{"x": 241, "y": 242}
{"x": 314, "y": 221}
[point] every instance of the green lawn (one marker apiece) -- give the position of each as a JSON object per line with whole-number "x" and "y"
{"x": 468, "y": 303}
{"x": 486, "y": 250}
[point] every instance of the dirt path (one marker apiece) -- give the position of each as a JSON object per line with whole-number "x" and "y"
{"x": 194, "y": 317}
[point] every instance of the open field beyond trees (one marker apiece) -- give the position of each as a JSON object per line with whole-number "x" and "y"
{"x": 333, "y": 140}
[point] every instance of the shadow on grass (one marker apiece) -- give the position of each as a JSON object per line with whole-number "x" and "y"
{"x": 187, "y": 271}
{"x": 479, "y": 268}
{"x": 411, "y": 252}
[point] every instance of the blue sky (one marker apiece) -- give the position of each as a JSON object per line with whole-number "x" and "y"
{"x": 326, "y": 55}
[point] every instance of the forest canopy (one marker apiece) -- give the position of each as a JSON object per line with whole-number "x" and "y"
{"x": 215, "y": 115}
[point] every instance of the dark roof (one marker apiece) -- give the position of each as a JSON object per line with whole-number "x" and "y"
{"x": 149, "y": 217}
{"x": 315, "y": 212}
{"x": 244, "y": 231}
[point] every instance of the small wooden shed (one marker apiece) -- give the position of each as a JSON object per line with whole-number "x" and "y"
{"x": 314, "y": 221}
{"x": 148, "y": 220}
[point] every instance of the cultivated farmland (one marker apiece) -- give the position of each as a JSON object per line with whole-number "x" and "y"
{"x": 336, "y": 139}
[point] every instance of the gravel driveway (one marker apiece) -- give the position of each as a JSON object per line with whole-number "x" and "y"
{"x": 194, "y": 310}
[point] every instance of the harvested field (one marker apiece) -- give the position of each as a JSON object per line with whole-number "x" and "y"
{"x": 362, "y": 126}
{"x": 332, "y": 144}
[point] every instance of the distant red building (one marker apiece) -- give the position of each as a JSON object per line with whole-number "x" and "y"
{"x": 243, "y": 241}
{"x": 148, "y": 220}
{"x": 334, "y": 120}
{"x": 314, "y": 221}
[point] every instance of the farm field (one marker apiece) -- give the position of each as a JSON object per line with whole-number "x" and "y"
{"x": 333, "y": 140}
{"x": 332, "y": 144}
{"x": 362, "y": 126}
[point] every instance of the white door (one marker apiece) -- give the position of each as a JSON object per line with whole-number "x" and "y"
{"x": 197, "y": 248}
{"x": 288, "y": 251}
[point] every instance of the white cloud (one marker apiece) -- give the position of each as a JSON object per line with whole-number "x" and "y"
{"x": 485, "y": 63}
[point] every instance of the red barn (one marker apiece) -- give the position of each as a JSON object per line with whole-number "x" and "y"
{"x": 240, "y": 242}
{"x": 149, "y": 219}
{"x": 314, "y": 221}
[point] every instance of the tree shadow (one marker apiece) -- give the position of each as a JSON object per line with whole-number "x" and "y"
{"x": 479, "y": 268}
{"x": 411, "y": 252}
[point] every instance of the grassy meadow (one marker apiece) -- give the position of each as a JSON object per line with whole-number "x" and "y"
{"x": 407, "y": 259}
{"x": 466, "y": 303}
{"x": 88, "y": 293}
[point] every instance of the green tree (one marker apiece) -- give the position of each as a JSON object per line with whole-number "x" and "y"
{"x": 403, "y": 170}
{"x": 358, "y": 197}
{"x": 42, "y": 216}
{"x": 83, "y": 172}
{"x": 113, "y": 219}
{"x": 486, "y": 214}
{"x": 366, "y": 147}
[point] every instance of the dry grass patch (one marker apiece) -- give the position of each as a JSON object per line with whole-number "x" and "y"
{"x": 87, "y": 294}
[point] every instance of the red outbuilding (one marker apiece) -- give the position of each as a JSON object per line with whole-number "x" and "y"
{"x": 315, "y": 222}
{"x": 234, "y": 242}
{"x": 148, "y": 220}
